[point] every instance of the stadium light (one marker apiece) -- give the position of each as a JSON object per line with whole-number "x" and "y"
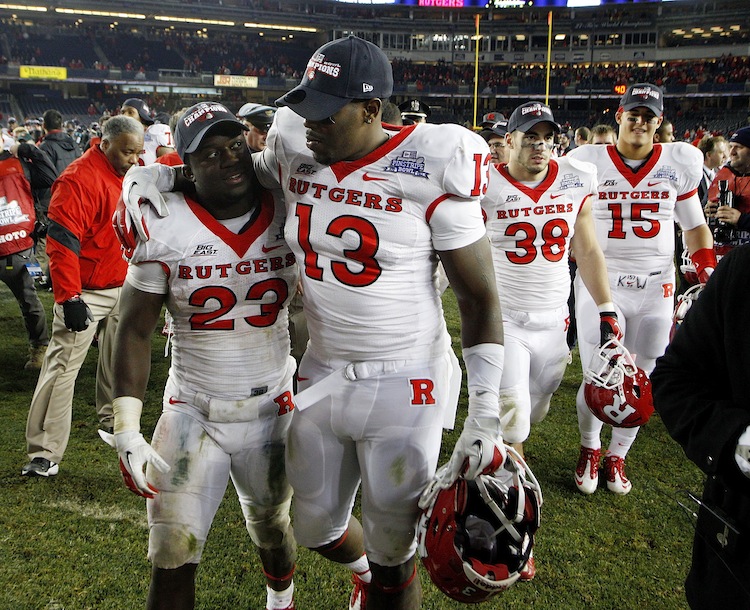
{"x": 24, "y": 7}
{"x": 273, "y": 26}
{"x": 88, "y": 13}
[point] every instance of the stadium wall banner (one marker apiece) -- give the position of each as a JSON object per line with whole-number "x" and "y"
{"x": 232, "y": 80}
{"x": 45, "y": 72}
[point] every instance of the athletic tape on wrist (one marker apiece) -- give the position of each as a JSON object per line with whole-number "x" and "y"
{"x": 127, "y": 412}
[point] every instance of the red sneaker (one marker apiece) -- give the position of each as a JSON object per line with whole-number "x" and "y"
{"x": 358, "y": 600}
{"x": 614, "y": 470}
{"x": 529, "y": 570}
{"x": 587, "y": 470}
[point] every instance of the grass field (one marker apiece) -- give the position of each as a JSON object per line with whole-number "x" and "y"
{"x": 78, "y": 541}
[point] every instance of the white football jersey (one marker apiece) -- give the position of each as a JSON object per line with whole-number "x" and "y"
{"x": 366, "y": 233}
{"x": 530, "y": 230}
{"x": 635, "y": 210}
{"x": 227, "y": 294}
{"x": 156, "y": 135}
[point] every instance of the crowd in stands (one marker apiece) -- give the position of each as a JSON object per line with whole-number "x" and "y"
{"x": 229, "y": 53}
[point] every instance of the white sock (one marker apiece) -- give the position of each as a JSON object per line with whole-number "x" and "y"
{"x": 279, "y": 600}
{"x": 622, "y": 440}
{"x": 361, "y": 568}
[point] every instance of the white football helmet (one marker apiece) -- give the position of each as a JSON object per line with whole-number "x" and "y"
{"x": 476, "y": 536}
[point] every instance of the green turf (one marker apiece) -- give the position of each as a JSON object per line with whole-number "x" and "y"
{"x": 78, "y": 541}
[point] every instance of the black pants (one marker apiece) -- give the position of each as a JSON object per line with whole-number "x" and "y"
{"x": 15, "y": 275}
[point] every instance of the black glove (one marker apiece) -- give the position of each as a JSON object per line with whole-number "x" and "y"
{"x": 40, "y": 230}
{"x": 608, "y": 326}
{"x": 77, "y": 314}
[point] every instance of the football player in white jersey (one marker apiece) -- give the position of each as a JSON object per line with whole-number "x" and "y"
{"x": 537, "y": 208}
{"x": 643, "y": 188}
{"x": 221, "y": 266}
{"x": 370, "y": 208}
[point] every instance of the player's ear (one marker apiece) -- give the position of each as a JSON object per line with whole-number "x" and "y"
{"x": 372, "y": 109}
{"x": 188, "y": 173}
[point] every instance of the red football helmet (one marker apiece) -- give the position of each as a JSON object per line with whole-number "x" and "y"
{"x": 476, "y": 536}
{"x": 684, "y": 303}
{"x": 615, "y": 389}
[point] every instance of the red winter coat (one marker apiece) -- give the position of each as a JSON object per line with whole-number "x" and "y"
{"x": 82, "y": 246}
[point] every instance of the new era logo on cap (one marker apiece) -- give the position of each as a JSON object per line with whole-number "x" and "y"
{"x": 337, "y": 73}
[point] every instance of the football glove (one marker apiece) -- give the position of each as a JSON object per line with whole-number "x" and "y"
{"x": 134, "y": 453}
{"x": 479, "y": 450}
{"x": 141, "y": 183}
{"x": 609, "y": 327}
{"x": 742, "y": 452}
{"x": 77, "y": 314}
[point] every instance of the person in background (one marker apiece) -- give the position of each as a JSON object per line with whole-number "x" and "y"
{"x": 258, "y": 120}
{"x": 157, "y": 139}
{"x": 699, "y": 388}
{"x": 734, "y": 220}
{"x": 23, "y": 167}
{"x": 582, "y": 135}
{"x": 530, "y": 256}
{"x": 636, "y": 234}
{"x": 603, "y": 134}
{"x": 495, "y": 138}
{"x": 665, "y": 133}
{"x": 62, "y": 150}
{"x": 87, "y": 271}
{"x": 414, "y": 111}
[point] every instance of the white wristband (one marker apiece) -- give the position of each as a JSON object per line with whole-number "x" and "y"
{"x": 608, "y": 306}
{"x": 127, "y": 411}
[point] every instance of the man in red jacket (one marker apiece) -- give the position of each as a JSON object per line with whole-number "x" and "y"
{"x": 87, "y": 272}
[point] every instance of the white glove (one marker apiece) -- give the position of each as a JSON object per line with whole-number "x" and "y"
{"x": 134, "y": 453}
{"x": 145, "y": 182}
{"x": 742, "y": 452}
{"x": 479, "y": 450}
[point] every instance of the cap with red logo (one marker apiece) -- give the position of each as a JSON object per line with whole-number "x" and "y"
{"x": 529, "y": 114}
{"x": 339, "y": 72}
{"x": 195, "y": 123}
{"x": 643, "y": 95}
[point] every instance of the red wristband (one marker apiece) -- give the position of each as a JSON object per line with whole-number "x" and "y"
{"x": 704, "y": 258}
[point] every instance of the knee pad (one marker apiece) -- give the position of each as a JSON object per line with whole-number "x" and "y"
{"x": 514, "y": 416}
{"x": 170, "y": 547}
{"x": 268, "y": 527}
{"x": 540, "y": 408}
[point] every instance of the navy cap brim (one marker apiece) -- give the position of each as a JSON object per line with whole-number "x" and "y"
{"x": 311, "y": 104}
{"x": 196, "y": 141}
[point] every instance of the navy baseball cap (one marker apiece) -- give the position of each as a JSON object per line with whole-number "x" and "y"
{"x": 529, "y": 114}
{"x": 338, "y": 72}
{"x": 643, "y": 95}
{"x": 741, "y": 136}
{"x": 196, "y": 122}
{"x": 143, "y": 110}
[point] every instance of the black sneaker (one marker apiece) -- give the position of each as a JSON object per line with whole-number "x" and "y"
{"x": 40, "y": 467}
